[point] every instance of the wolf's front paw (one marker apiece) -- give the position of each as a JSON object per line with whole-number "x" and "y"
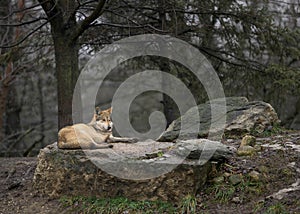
{"x": 133, "y": 140}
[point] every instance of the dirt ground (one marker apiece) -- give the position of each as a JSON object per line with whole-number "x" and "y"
{"x": 276, "y": 190}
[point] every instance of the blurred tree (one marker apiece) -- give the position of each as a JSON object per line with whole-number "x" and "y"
{"x": 243, "y": 40}
{"x": 9, "y": 109}
{"x": 237, "y": 36}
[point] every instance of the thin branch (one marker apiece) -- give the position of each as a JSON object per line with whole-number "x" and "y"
{"x": 139, "y": 9}
{"x": 84, "y": 24}
{"x": 23, "y": 23}
{"x": 221, "y": 58}
{"x": 51, "y": 17}
{"x": 172, "y": 10}
{"x": 135, "y": 22}
{"x": 258, "y": 64}
{"x": 25, "y": 37}
{"x": 5, "y": 37}
{"x": 30, "y": 148}
{"x": 128, "y": 26}
{"x": 80, "y": 5}
{"x": 20, "y": 137}
{"x": 197, "y": 12}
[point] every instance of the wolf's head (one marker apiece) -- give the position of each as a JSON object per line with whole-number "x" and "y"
{"x": 102, "y": 119}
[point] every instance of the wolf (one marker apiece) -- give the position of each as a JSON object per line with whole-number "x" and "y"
{"x": 95, "y": 135}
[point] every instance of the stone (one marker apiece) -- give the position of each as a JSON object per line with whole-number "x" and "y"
{"x": 248, "y": 140}
{"x": 203, "y": 149}
{"x": 218, "y": 180}
{"x": 245, "y": 151}
{"x": 226, "y": 174}
{"x": 235, "y": 179}
{"x": 241, "y": 115}
{"x": 294, "y": 187}
{"x": 254, "y": 175}
{"x": 236, "y": 200}
{"x": 126, "y": 170}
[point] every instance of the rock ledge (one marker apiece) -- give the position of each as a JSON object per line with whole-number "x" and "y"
{"x": 146, "y": 170}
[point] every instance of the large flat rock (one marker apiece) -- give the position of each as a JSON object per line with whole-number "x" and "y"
{"x": 146, "y": 170}
{"x": 240, "y": 116}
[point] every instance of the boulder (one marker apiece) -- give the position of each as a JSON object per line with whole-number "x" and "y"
{"x": 146, "y": 170}
{"x": 241, "y": 116}
{"x": 254, "y": 175}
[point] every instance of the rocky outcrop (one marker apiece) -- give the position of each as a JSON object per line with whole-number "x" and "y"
{"x": 167, "y": 170}
{"x": 143, "y": 171}
{"x": 241, "y": 116}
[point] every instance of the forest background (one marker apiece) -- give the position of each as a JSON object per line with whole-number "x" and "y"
{"x": 254, "y": 46}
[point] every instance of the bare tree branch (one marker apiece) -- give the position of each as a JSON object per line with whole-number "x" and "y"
{"x": 23, "y": 23}
{"x": 227, "y": 61}
{"x": 25, "y": 37}
{"x": 84, "y": 24}
{"x": 129, "y": 26}
{"x": 53, "y": 13}
{"x": 135, "y": 22}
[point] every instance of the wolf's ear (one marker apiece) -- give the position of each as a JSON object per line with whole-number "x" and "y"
{"x": 110, "y": 110}
{"x": 97, "y": 110}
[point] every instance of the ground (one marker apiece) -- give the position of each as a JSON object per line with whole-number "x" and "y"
{"x": 266, "y": 182}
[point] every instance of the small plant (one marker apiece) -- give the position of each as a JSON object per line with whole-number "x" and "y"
{"x": 222, "y": 192}
{"x": 160, "y": 154}
{"x": 276, "y": 209}
{"x": 65, "y": 201}
{"x": 91, "y": 205}
{"x": 258, "y": 206}
{"x": 188, "y": 205}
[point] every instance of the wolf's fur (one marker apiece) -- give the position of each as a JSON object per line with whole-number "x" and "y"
{"x": 94, "y": 135}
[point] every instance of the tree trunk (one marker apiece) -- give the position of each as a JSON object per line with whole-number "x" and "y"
{"x": 67, "y": 72}
{"x": 65, "y": 30}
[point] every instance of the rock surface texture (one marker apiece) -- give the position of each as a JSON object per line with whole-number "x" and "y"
{"x": 241, "y": 116}
{"x": 146, "y": 170}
